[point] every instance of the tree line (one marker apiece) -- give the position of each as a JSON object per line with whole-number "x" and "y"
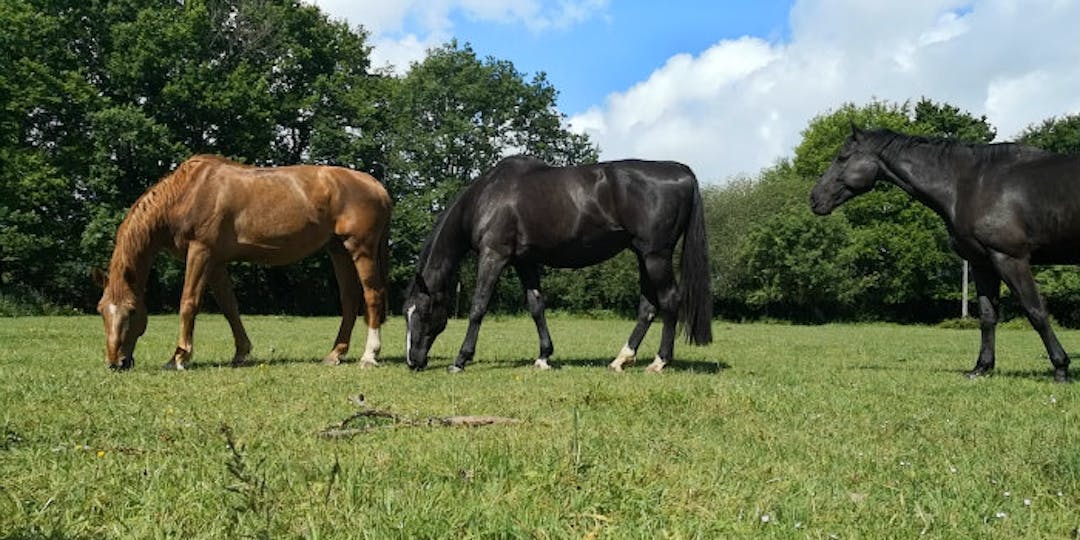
{"x": 104, "y": 97}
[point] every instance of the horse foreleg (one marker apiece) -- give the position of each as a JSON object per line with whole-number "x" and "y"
{"x": 487, "y": 275}
{"x": 662, "y": 279}
{"x": 1017, "y": 274}
{"x": 534, "y": 300}
{"x": 349, "y": 294}
{"x": 988, "y": 289}
{"x": 374, "y": 298}
{"x": 195, "y": 277}
{"x": 222, "y": 287}
{"x": 628, "y": 353}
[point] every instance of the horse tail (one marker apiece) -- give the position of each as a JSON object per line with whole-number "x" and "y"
{"x": 695, "y": 303}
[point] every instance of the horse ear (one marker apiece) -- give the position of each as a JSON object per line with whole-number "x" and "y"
{"x": 99, "y": 276}
{"x": 855, "y": 131}
{"x": 418, "y": 282}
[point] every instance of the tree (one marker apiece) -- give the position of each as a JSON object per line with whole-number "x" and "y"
{"x": 794, "y": 266}
{"x": 42, "y": 144}
{"x": 1061, "y": 135}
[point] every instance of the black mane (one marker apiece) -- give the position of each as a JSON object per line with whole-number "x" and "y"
{"x": 443, "y": 220}
{"x": 893, "y": 142}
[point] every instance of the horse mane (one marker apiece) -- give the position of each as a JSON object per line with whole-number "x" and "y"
{"x": 528, "y": 163}
{"x": 893, "y": 141}
{"x": 135, "y": 235}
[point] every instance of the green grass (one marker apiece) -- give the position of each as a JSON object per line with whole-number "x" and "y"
{"x": 845, "y": 431}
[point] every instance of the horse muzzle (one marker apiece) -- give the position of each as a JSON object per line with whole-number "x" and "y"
{"x": 823, "y": 204}
{"x": 417, "y": 358}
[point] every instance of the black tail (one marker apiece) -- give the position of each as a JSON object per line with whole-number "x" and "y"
{"x": 695, "y": 304}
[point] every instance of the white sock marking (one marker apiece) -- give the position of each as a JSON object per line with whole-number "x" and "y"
{"x": 372, "y": 346}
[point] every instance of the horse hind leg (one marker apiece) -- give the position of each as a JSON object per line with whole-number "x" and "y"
{"x": 1017, "y": 274}
{"x": 646, "y": 314}
{"x": 349, "y": 293}
{"x": 374, "y": 290}
{"x": 662, "y": 279}
{"x": 534, "y": 300}
{"x": 226, "y": 299}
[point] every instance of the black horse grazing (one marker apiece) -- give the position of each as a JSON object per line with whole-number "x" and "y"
{"x": 1006, "y": 206}
{"x": 525, "y": 213}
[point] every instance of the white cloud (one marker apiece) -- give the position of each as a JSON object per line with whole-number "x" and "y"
{"x": 741, "y": 104}
{"x": 403, "y": 30}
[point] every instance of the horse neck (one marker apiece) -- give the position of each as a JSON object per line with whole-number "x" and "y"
{"x": 927, "y": 173}
{"x": 141, "y": 236}
{"x": 448, "y": 246}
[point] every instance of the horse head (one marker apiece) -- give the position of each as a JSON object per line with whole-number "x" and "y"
{"x": 853, "y": 172}
{"x": 425, "y": 318}
{"x": 125, "y": 321}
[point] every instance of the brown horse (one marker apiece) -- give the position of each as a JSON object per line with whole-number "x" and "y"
{"x": 211, "y": 211}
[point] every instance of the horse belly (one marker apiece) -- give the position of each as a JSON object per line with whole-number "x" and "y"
{"x": 1064, "y": 253}
{"x": 279, "y": 237}
{"x": 584, "y": 252}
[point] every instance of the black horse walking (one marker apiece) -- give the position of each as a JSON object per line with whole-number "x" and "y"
{"x": 525, "y": 213}
{"x": 1006, "y": 206}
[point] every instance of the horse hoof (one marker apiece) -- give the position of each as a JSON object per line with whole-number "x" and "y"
{"x": 977, "y": 373}
{"x": 124, "y": 365}
{"x": 1062, "y": 376}
{"x": 454, "y": 368}
{"x": 657, "y": 366}
{"x": 368, "y": 364}
{"x": 541, "y": 364}
{"x": 331, "y": 361}
{"x": 172, "y": 366}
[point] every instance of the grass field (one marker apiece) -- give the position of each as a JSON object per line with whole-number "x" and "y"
{"x": 774, "y": 431}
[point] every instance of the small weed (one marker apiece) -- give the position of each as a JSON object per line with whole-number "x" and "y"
{"x": 255, "y": 504}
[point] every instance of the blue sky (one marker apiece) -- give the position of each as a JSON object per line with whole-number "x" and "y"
{"x": 612, "y": 51}
{"x": 727, "y": 87}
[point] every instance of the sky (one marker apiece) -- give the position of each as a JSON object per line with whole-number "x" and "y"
{"x": 728, "y": 86}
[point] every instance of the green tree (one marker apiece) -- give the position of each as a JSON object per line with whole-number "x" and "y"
{"x": 732, "y": 212}
{"x": 43, "y": 126}
{"x": 1061, "y": 135}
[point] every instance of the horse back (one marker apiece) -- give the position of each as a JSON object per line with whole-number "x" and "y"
{"x": 274, "y": 215}
{"x": 577, "y": 216}
{"x": 1027, "y": 206}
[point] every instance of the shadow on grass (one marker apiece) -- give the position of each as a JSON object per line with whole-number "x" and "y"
{"x": 678, "y": 365}
{"x": 961, "y": 373}
{"x": 280, "y": 361}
